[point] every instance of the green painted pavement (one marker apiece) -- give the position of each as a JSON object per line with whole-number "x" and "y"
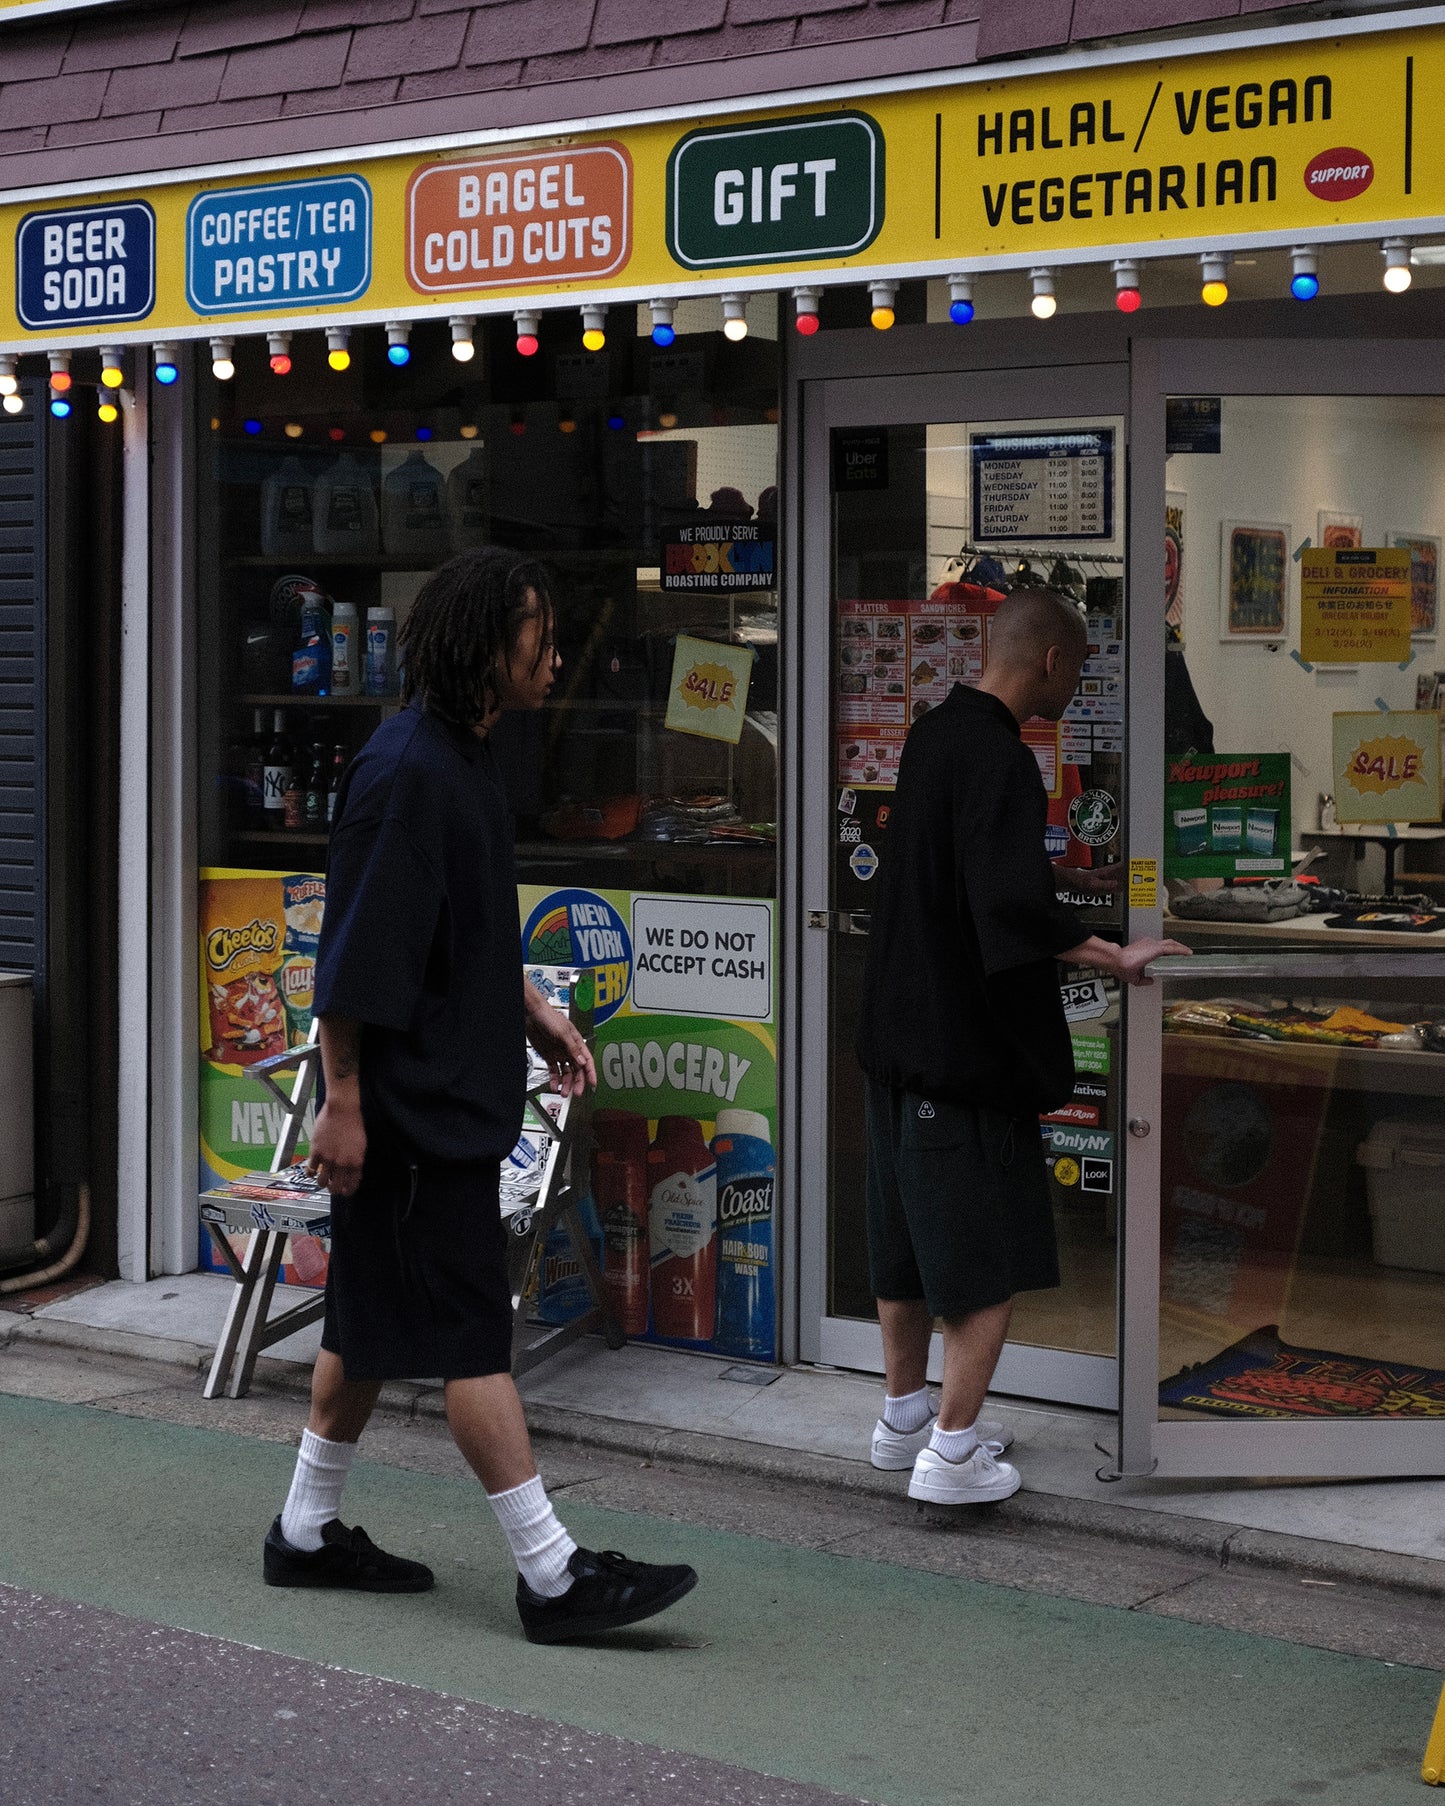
{"x": 883, "y": 1682}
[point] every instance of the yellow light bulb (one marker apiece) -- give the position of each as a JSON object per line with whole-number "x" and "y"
{"x": 470, "y": 432}
{"x": 594, "y": 338}
{"x": 108, "y": 412}
{"x": 339, "y": 359}
{"x": 882, "y": 318}
{"x": 112, "y": 377}
{"x": 667, "y": 421}
{"x": 293, "y": 429}
{"x": 378, "y": 437}
{"x": 1214, "y": 294}
{"x": 566, "y": 426}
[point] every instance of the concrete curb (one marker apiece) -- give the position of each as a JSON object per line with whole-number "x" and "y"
{"x": 1230, "y": 1546}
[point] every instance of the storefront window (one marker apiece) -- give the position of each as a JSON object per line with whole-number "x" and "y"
{"x": 1304, "y": 1123}
{"x": 645, "y": 794}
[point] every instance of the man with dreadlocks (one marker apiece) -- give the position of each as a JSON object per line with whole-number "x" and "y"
{"x": 422, "y": 1007}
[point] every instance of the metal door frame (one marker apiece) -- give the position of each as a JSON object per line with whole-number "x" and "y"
{"x": 1028, "y": 390}
{"x": 1343, "y": 1448}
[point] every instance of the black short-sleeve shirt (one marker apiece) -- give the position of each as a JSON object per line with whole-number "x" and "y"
{"x": 421, "y": 941}
{"x": 961, "y": 990}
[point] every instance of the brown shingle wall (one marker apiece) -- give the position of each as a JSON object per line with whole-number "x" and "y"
{"x": 143, "y": 87}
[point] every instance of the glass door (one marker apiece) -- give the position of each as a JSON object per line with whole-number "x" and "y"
{"x": 1284, "y": 1302}
{"x": 926, "y": 500}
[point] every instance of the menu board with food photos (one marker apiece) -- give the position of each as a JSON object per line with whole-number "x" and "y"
{"x": 896, "y": 661}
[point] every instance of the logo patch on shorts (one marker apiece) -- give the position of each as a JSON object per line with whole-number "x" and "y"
{"x": 926, "y": 1111}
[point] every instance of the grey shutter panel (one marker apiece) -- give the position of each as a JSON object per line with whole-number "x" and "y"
{"x": 22, "y": 688}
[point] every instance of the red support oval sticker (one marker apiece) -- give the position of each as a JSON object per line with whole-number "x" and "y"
{"x": 1339, "y": 175}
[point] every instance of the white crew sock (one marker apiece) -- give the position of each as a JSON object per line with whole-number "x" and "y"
{"x": 953, "y": 1445}
{"x": 907, "y": 1413}
{"x": 315, "y": 1496}
{"x": 540, "y": 1545}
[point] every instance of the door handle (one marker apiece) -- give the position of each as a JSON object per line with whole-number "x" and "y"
{"x": 840, "y": 921}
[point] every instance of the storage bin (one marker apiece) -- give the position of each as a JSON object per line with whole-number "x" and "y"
{"x": 1405, "y": 1168}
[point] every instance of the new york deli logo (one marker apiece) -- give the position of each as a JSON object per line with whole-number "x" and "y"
{"x": 517, "y": 221}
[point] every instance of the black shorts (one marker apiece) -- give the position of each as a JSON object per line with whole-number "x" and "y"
{"x": 417, "y": 1288}
{"x": 959, "y": 1211}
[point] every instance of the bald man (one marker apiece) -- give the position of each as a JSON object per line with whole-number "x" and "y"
{"x": 964, "y": 1045}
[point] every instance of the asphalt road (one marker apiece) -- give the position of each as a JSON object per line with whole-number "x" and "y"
{"x": 836, "y": 1647}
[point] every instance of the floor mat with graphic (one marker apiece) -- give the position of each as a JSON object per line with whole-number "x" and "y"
{"x": 1261, "y": 1376}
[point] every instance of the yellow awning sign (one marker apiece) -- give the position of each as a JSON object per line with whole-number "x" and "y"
{"x": 1279, "y": 142}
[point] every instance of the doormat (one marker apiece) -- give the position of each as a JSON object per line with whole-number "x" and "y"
{"x": 1261, "y": 1376}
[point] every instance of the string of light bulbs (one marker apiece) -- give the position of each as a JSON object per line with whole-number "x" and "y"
{"x": 1129, "y": 292}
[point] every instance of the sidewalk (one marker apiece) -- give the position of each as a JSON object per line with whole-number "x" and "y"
{"x": 812, "y": 1425}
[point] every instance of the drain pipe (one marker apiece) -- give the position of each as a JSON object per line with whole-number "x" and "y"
{"x": 74, "y": 1226}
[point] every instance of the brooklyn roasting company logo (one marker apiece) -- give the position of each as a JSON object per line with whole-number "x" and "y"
{"x": 226, "y": 944}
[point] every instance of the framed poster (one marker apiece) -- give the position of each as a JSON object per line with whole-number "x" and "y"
{"x": 1338, "y": 532}
{"x": 1254, "y": 568}
{"x": 1424, "y": 550}
{"x": 1174, "y": 568}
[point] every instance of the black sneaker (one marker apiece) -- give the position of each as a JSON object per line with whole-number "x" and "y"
{"x": 346, "y": 1558}
{"x": 607, "y": 1592}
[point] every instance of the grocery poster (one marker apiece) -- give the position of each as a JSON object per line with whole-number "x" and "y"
{"x": 1227, "y": 815}
{"x": 1355, "y": 605}
{"x": 684, "y": 1128}
{"x": 258, "y": 937}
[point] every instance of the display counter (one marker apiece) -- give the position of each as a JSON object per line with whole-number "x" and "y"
{"x": 1299, "y": 931}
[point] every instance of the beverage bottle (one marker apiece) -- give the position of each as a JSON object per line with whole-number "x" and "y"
{"x": 619, "y": 1188}
{"x": 333, "y": 784}
{"x": 277, "y": 774}
{"x": 682, "y": 1228}
{"x": 316, "y": 782}
{"x": 380, "y": 652}
{"x": 286, "y": 511}
{"x": 467, "y": 500}
{"x": 746, "y": 1301}
{"x": 413, "y": 510}
{"x": 344, "y": 516}
{"x": 345, "y": 650}
{"x": 255, "y": 772}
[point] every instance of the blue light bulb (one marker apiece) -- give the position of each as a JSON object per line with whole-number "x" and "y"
{"x": 60, "y": 407}
{"x": 398, "y": 355}
{"x": 423, "y": 432}
{"x": 663, "y": 334}
{"x": 1305, "y": 286}
{"x": 616, "y": 421}
{"x": 252, "y": 427}
{"x": 961, "y": 312}
{"x": 166, "y": 374}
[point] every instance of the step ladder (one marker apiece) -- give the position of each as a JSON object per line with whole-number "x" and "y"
{"x": 543, "y": 1183}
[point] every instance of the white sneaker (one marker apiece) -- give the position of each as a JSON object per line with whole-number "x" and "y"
{"x": 980, "y": 1480}
{"x": 893, "y": 1450}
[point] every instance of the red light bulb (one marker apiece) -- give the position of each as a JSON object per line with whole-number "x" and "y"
{"x": 60, "y": 381}
{"x": 807, "y": 324}
{"x": 336, "y": 434}
{"x": 526, "y": 345}
{"x": 1128, "y": 300}
{"x": 281, "y": 363}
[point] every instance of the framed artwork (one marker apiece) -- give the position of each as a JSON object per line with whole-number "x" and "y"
{"x": 1424, "y": 550}
{"x": 1254, "y": 591}
{"x": 1339, "y": 532}
{"x": 1174, "y": 567}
